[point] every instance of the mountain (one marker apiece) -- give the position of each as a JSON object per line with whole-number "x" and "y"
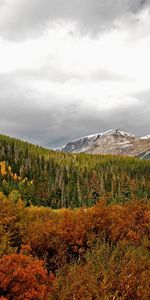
{"x": 113, "y": 141}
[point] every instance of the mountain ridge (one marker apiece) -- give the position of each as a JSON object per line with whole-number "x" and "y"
{"x": 113, "y": 141}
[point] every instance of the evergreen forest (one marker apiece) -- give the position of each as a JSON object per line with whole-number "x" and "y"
{"x": 57, "y": 180}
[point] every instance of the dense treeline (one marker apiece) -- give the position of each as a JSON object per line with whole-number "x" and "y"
{"x": 49, "y": 178}
{"x": 93, "y": 253}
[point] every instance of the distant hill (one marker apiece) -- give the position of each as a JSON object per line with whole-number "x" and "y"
{"x": 114, "y": 141}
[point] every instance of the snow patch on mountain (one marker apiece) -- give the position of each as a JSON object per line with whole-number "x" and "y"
{"x": 146, "y": 137}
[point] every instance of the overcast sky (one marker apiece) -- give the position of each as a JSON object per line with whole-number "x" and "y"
{"x": 69, "y": 68}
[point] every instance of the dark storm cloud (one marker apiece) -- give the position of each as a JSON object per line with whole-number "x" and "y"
{"x": 60, "y": 122}
{"x": 20, "y": 19}
{"x": 134, "y": 119}
{"x": 20, "y": 115}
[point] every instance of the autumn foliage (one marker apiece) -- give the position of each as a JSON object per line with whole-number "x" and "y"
{"x": 22, "y": 277}
{"x": 101, "y": 252}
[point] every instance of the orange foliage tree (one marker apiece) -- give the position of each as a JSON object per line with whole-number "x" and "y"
{"x": 24, "y": 278}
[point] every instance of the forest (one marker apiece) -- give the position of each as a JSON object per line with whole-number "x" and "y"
{"x": 57, "y": 180}
{"x": 73, "y": 227}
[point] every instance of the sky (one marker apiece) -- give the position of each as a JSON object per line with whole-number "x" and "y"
{"x": 69, "y": 68}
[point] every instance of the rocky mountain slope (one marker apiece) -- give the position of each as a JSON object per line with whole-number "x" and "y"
{"x": 114, "y": 141}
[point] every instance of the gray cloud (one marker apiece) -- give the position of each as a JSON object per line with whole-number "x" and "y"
{"x": 47, "y": 101}
{"x": 51, "y": 126}
{"x": 54, "y": 74}
{"x": 20, "y": 19}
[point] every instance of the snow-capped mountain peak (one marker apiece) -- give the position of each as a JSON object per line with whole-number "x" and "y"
{"x": 86, "y": 143}
{"x": 113, "y": 141}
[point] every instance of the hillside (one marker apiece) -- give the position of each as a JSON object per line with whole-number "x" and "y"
{"x": 114, "y": 141}
{"x": 54, "y": 179}
{"x": 96, "y": 252}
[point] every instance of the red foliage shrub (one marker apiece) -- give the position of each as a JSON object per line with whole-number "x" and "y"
{"x": 24, "y": 278}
